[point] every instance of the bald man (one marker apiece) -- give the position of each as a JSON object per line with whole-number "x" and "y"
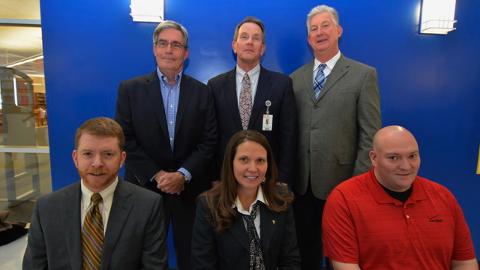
{"x": 390, "y": 218}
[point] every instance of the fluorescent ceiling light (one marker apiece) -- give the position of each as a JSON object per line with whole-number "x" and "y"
{"x": 147, "y": 10}
{"x": 437, "y": 17}
{"x": 25, "y": 61}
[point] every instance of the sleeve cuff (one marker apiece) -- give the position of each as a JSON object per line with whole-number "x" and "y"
{"x": 186, "y": 174}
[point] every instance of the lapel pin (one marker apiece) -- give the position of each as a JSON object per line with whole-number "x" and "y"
{"x": 273, "y": 221}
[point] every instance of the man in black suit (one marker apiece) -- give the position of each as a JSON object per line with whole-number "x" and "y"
{"x": 129, "y": 228}
{"x": 170, "y": 129}
{"x": 252, "y": 97}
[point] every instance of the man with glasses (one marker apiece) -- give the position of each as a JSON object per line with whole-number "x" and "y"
{"x": 170, "y": 129}
{"x": 252, "y": 97}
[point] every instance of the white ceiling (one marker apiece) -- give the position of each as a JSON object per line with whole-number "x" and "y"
{"x": 19, "y": 42}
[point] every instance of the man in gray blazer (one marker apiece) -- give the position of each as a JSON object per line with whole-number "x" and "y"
{"x": 339, "y": 112}
{"x": 100, "y": 222}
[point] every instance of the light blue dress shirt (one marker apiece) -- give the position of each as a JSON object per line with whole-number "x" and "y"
{"x": 170, "y": 97}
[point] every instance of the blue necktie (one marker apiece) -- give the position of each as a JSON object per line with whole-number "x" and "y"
{"x": 319, "y": 81}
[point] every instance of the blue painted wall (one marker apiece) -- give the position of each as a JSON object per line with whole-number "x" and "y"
{"x": 430, "y": 84}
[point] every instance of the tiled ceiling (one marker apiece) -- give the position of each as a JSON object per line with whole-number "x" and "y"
{"x": 20, "y": 35}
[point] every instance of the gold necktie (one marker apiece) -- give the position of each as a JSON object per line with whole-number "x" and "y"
{"x": 92, "y": 235}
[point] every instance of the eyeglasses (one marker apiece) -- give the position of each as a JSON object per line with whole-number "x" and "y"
{"x": 174, "y": 44}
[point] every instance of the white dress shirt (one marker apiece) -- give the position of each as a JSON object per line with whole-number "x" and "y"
{"x": 328, "y": 69}
{"x": 104, "y": 206}
{"x": 254, "y": 74}
{"x": 241, "y": 210}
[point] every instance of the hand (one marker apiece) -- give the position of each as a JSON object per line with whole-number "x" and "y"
{"x": 170, "y": 182}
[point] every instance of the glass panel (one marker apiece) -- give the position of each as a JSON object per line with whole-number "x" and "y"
{"x": 24, "y": 151}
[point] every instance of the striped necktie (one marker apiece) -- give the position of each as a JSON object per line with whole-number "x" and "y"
{"x": 92, "y": 235}
{"x": 319, "y": 81}
{"x": 245, "y": 104}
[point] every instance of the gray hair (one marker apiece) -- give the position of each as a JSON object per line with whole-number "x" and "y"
{"x": 171, "y": 25}
{"x": 321, "y": 9}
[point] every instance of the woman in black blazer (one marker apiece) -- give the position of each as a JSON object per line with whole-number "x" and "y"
{"x": 246, "y": 222}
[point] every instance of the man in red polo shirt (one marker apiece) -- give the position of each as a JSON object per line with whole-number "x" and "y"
{"x": 390, "y": 218}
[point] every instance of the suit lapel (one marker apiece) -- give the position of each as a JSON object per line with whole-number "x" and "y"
{"x": 268, "y": 221}
{"x": 308, "y": 81}
{"x": 119, "y": 213}
{"x": 184, "y": 101}
{"x": 339, "y": 70}
{"x": 154, "y": 97}
{"x": 239, "y": 232}
{"x": 71, "y": 216}
{"x": 230, "y": 86}
{"x": 263, "y": 89}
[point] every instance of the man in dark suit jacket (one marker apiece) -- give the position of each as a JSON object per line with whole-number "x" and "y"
{"x": 271, "y": 96}
{"x": 339, "y": 112}
{"x": 132, "y": 232}
{"x": 170, "y": 129}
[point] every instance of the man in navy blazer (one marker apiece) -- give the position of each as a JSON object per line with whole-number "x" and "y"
{"x": 273, "y": 112}
{"x": 132, "y": 220}
{"x": 170, "y": 129}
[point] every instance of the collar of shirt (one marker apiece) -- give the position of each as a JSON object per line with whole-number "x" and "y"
{"x": 105, "y": 206}
{"x": 260, "y": 197}
{"x": 163, "y": 79}
{"x": 254, "y": 74}
{"x": 382, "y": 197}
{"x": 330, "y": 64}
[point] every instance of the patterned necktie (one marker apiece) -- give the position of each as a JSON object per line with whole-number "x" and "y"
{"x": 92, "y": 235}
{"x": 256, "y": 254}
{"x": 319, "y": 81}
{"x": 245, "y": 104}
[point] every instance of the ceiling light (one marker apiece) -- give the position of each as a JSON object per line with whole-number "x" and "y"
{"x": 26, "y": 60}
{"x": 437, "y": 17}
{"x": 147, "y": 10}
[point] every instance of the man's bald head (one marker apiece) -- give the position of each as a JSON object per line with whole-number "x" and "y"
{"x": 395, "y": 158}
{"x": 389, "y": 133}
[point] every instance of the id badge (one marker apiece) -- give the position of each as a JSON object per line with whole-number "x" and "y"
{"x": 267, "y": 122}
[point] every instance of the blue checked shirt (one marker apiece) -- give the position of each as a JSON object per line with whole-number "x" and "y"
{"x": 170, "y": 97}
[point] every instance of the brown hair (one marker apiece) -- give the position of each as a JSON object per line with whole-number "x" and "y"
{"x": 101, "y": 126}
{"x": 221, "y": 198}
{"x": 249, "y": 19}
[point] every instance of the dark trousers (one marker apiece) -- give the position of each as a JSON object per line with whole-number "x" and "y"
{"x": 180, "y": 212}
{"x": 308, "y": 212}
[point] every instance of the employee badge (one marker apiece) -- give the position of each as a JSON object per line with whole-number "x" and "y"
{"x": 267, "y": 118}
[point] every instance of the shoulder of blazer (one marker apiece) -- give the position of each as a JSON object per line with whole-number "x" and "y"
{"x": 302, "y": 69}
{"x": 144, "y": 195}
{"x": 190, "y": 82}
{"x": 222, "y": 77}
{"x": 60, "y": 200}
{"x": 61, "y": 194}
{"x": 145, "y": 78}
{"x": 353, "y": 63}
{"x": 273, "y": 74}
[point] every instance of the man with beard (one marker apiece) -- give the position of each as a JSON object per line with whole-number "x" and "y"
{"x": 100, "y": 222}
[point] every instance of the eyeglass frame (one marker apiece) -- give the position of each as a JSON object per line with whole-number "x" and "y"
{"x": 162, "y": 43}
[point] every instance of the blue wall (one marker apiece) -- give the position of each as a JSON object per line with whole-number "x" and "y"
{"x": 430, "y": 84}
